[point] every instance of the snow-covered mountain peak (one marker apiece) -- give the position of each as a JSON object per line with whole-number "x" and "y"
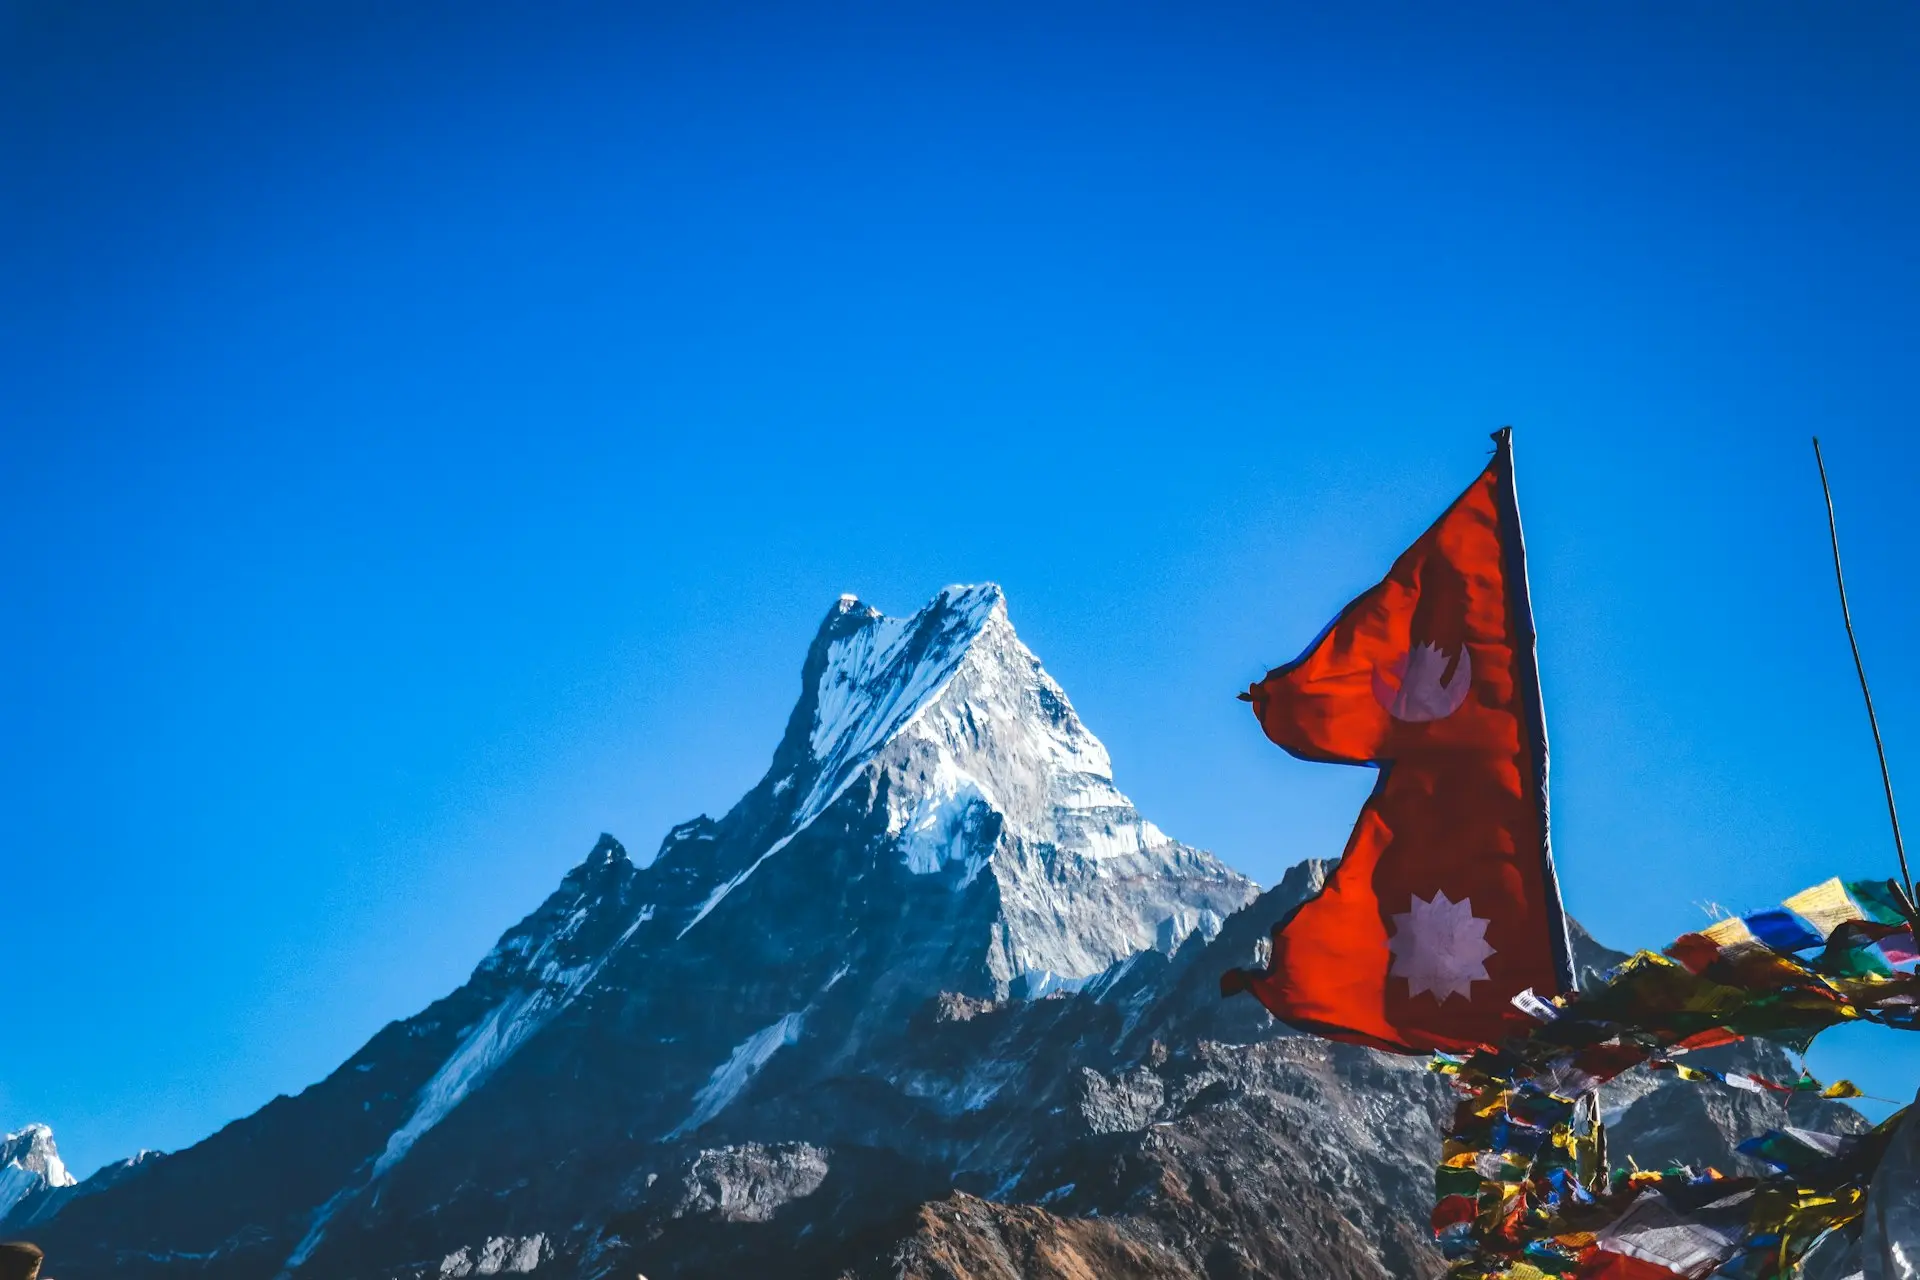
{"x": 30, "y": 1162}
{"x": 607, "y": 852}
{"x": 951, "y": 723}
{"x": 867, "y": 678}
{"x": 32, "y": 1148}
{"x": 942, "y": 736}
{"x": 880, "y": 671}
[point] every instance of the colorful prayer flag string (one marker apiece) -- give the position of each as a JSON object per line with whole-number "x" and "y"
{"x": 1524, "y": 1187}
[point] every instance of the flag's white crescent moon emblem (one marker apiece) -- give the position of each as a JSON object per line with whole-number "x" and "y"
{"x": 1415, "y": 688}
{"x": 1439, "y": 947}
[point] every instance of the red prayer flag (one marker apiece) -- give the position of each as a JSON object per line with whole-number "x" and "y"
{"x": 1618, "y": 1266}
{"x": 1445, "y": 905}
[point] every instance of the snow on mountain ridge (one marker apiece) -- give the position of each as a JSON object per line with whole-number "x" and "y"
{"x": 878, "y": 678}
{"x": 987, "y": 766}
{"x": 39, "y": 1154}
{"x": 30, "y": 1162}
{"x": 537, "y": 969}
{"x": 553, "y": 983}
{"x": 983, "y": 762}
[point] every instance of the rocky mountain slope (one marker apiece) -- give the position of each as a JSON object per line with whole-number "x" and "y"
{"x": 932, "y": 1000}
{"x": 936, "y": 818}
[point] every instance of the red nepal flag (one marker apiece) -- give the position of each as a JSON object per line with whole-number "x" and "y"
{"x": 1444, "y": 906}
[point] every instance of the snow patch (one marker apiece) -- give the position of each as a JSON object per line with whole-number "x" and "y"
{"x": 731, "y": 1076}
{"x": 504, "y": 1029}
{"x": 15, "y": 1184}
{"x": 972, "y": 1091}
{"x": 646, "y": 914}
{"x": 722, "y": 890}
{"x": 490, "y": 1042}
{"x": 317, "y": 1227}
{"x": 1037, "y": 984}
{"x": 945, "y": 819}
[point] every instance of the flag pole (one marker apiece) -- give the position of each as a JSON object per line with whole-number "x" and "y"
{"x": 1873, "y": 721}
{"x": 1527, "y": 685}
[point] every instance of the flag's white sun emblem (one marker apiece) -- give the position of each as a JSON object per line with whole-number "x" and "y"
{"x": 1439, "y": 947}
{"x": 1418, "y": 687}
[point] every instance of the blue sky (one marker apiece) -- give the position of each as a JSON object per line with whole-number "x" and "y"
{"x": 434, "y": 432}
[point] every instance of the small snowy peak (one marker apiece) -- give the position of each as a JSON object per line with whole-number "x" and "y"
{"x": 688, "y": 835}
{"x": 30, "y": 1162}
{"x": 605, "y": 866}
{"x": 572, "y": 926}
{"x": 606, "y": 851}
{"x": 33, "y": 1149}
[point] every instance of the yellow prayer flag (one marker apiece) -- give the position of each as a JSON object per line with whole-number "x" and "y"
{"x": 1825, "y": 906}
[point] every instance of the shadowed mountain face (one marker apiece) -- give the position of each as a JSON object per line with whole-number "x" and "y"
{"x": 932, "y": 1000}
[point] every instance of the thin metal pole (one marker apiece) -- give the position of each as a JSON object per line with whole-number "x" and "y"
{"x": 1846, "y": 615}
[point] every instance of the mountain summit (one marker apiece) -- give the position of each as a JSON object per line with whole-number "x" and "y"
{"x": 949, "y": 733}
{"x": 30, "y": 1166}
{"x": 936, "y": 823}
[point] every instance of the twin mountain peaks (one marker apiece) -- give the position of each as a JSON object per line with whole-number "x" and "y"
{"x": 932, "y": 999}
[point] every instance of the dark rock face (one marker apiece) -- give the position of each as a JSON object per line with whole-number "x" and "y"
{"x": 42, "y": 1203}
{"x": 1069, "y": 1131}
{"x": 932, "y": 1000}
